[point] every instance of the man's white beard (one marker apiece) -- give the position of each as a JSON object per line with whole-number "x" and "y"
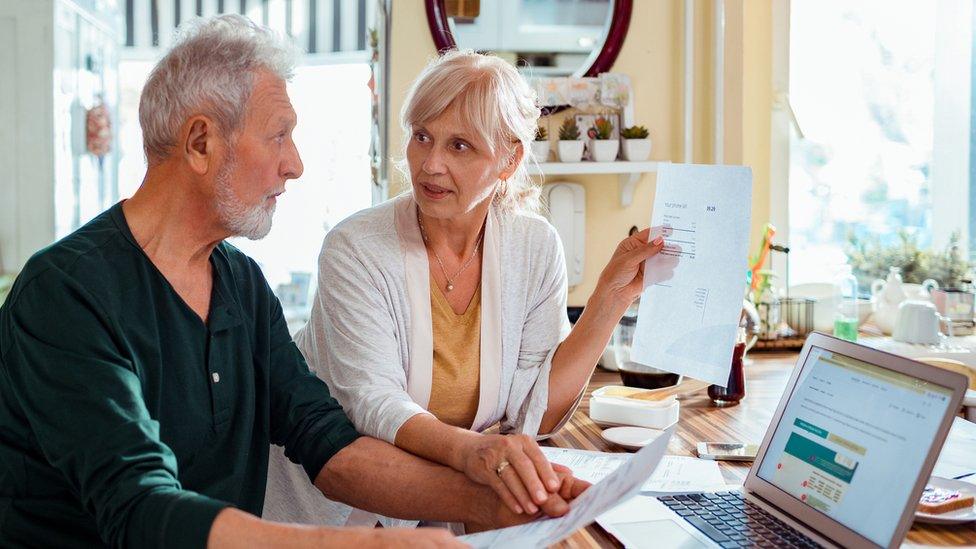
{"x": 252, "y": 222}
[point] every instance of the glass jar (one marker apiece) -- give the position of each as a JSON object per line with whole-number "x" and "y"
{"x": 735, "y": 387}
{"x": 845, "y": 297}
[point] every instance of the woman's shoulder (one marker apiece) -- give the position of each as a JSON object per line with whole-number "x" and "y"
{"x": 529, "y": 227}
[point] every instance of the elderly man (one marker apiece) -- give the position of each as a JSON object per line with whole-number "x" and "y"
{"x": 145, "y": 365}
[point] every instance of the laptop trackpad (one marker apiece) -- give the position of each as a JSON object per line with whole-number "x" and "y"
{"x": 655, "y": 533}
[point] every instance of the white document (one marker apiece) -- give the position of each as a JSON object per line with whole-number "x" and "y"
{"x": 693, "y": 290}
{"x": 673, "y": 474}
{"x": 620, "y": 485}
{"x": 586, "y": 464}
{"x": 685, "y": 474}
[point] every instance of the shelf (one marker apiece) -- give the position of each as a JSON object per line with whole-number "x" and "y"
{"x": 628, "y": 173}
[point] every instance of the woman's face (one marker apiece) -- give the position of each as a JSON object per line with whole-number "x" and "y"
{"x": 452, "y": 170}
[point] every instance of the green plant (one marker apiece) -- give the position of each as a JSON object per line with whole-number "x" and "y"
{"x": 634, "y": 132}
{"x": 870, "y": 260}
{"x": 569, "y": 131}
{"x": 602, "y": 129}
{"x": 541, "y": 134}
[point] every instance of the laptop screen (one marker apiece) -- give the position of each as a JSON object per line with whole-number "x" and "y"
{"x": 852, "y": 440}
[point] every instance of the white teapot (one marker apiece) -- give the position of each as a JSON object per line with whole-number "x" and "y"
{"x": 887, "y": 295}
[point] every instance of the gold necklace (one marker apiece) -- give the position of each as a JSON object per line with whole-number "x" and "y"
{"x": 450, "y": 279}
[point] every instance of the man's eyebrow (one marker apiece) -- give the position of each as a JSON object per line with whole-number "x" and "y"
{"x": 287, "y": 120}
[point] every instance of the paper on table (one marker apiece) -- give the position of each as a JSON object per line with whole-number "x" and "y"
{"x": 673, "y": 473}
{"x": 620, "y": 485}
{"x": 586, "y": 464}
{"x": 687, "y": 324}
{"x": 685, "y": 474}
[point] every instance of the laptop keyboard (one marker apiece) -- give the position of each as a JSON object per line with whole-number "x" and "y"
{"x": 732, "y": 521}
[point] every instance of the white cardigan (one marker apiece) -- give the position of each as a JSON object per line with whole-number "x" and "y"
{"x": 369, "y": 336}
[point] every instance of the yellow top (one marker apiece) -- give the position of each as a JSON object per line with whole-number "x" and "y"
{"x": 456, "y": 375}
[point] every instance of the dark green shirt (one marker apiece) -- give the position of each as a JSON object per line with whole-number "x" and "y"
{"x": 127, "y": 421}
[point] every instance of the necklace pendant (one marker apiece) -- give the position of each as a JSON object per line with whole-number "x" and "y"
{"x": 450, "y": 287}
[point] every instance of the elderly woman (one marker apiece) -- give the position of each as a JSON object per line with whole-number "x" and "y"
{"x": 442, "y": 312}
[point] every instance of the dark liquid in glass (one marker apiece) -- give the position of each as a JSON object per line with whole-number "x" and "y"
{"x": 735, "y": 388}
{"x": 648, "y": 380}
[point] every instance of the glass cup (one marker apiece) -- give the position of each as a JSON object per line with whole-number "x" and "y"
{"x": 735, "y": 387}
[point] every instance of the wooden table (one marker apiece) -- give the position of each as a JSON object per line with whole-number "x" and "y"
{"x": 766, "y": 379}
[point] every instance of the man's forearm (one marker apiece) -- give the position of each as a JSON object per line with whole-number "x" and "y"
{"x": 379, "y": 477}
{"x": 234, "y": 528}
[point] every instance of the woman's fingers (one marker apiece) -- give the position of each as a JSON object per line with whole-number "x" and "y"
{"x": 500, "y": 488}
{"x": 513, "y": 482}
{"x": 542, "y": 465}
{"x": 641, "y": 253}
{"x": 529, "y": 476}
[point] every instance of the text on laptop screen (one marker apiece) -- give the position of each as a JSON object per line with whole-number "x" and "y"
{"x": 852, "y": 440}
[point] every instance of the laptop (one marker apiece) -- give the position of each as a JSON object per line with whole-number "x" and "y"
{"x": 843, "y": 462}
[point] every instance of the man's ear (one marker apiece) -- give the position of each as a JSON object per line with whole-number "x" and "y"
{"x": 514, "y": 159}
{"x": 199, "y": 143}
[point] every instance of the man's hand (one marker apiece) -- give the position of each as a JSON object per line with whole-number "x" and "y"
{"x": 556, "y": 505}
{"x": 514, "y": 467}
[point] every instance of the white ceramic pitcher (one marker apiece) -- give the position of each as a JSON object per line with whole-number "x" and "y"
{"x": 887, "y": 295}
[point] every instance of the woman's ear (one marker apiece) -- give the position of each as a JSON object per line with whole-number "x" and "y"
{"x": 514, "y": 159}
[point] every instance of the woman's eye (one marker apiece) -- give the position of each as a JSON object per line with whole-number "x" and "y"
{"x": 420, "y": 137}
{"x": 461, "y": 146}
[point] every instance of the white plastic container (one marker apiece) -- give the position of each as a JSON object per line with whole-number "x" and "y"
{"x": 619, "y": 410}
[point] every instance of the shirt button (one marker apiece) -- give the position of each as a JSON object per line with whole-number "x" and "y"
{"x": 216, "y": 377}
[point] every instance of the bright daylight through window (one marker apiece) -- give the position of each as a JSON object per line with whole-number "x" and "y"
{"x": 881, "y": 93}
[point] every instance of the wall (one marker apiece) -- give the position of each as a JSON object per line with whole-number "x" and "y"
{"x": 652, "y": 56}
{"x": 27, "y": 130}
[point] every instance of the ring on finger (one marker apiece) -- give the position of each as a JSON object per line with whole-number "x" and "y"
{"x": 501, "y": 467}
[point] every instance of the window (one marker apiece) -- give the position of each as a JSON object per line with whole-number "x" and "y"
{"x": 329, "y": 92}
{"x": 881, "y": 93}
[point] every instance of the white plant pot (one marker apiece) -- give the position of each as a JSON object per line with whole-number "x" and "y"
{"x": 636, "y": 150}
{"x": 570, "y": 151}
{"x": 605, "y": 150}
{"x": 540, "y": 150}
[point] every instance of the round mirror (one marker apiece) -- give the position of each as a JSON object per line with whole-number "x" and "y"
{"x": 541, "y": 37}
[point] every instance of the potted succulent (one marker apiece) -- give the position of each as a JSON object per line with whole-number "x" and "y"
{"x": 540, "y": 147}
{"x": 636, "y": 144}
{"x": 605, "y": 148}
{"x": 570, "y": 147}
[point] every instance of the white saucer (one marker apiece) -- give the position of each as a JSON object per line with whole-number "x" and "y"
{"x": 958, "y": 516}
{"x": 632, "y": 438}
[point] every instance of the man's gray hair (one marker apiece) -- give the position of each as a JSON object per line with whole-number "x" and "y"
{"x": 209, "y": 71}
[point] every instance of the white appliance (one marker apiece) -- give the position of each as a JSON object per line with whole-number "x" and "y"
{"x": 567, "y": 212}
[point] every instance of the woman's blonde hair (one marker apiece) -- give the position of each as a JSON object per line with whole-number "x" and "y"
{"x": 495, "y": 100}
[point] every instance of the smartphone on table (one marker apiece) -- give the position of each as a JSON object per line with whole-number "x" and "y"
{"x": 727, "y": 451}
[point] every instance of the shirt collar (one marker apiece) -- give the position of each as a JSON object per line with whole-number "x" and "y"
{"x": 225, "y": 312}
